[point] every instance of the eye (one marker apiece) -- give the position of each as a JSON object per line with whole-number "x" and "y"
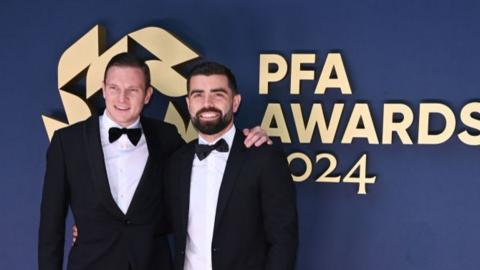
{"x": 220, "y": 94}
{"x": 112, "y": 88}
{"x": 196, "y": 94}
{"x": 133, "y": 91}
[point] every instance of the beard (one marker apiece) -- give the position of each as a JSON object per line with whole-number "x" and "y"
{"x": 212, "y": 127}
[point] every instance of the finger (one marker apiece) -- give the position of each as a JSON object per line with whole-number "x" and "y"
{"x": 260, "y": 133}
{"x": 248, "y": 142}
{"x": 246, "y": 131}
{"x": 74, "y": 234}
{"x": 250, "y": 139}
{"x": 256, "y": 132}
{"x": 260, "y": 141}
{"x": 254, "y": 139}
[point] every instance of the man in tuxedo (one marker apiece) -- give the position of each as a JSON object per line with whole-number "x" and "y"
{"x": 231, "y": 208}
{"x": 108, "y": 170}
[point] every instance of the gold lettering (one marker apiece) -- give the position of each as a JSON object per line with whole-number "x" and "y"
{"x": 316, "y": 119}
{"x": 470, "y": 121}
{"x": 308, "y": 166}
{"x": 297, "y": 74}
{"x": 265, "y": 76}
{"x": 333, "y": 62}
{"x": 362, "y": 180}
{"x": 389, "y": 126}
{"x": 332, "y": 164}
{"x": 274, "y": 113}
{"x": 426, "y": 109}
{"x": 361, "y": 112}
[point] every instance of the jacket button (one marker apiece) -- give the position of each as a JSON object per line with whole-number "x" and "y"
{"x": 127, "y": 222}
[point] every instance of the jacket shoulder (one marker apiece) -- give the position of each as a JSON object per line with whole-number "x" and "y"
{"x": 266, "y": 151}
{"x": 163, "y": 135}
{"x": 159, "y": 125}
{"x": 75, "y": 129}
{"x": 184, "y": 149}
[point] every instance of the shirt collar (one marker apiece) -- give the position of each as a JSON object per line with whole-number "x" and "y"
{"x": 228, "y": 137}
{"x": 106, "y": 122}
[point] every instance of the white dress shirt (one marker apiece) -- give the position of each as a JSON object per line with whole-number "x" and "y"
{"x": 205, "y": 184}
{"x": 124, "y": 162}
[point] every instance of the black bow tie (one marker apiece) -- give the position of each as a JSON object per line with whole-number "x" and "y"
{"x": 203, "y": 150}
{"x": 133, "y": 134}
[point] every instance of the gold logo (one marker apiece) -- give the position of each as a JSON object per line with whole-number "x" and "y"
{"x": 87, "y": 58}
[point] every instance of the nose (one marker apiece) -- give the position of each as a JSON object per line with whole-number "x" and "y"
{"x": 123, "y": 96}
{"x": 208, "y": 101}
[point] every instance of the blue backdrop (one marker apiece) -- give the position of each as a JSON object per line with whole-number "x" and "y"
{"x": 422, "y": 212}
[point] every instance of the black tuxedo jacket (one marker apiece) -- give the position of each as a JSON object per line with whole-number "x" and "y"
{"x": 256, "y": 219}
{"x": 108, "y": 239}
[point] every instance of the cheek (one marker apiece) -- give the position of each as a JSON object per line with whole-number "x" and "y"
{"x": 108, "y": 101}
{"x": 193, "y": 105}
{"x": 139, "y": 105}
{"x": 192, "y": 109}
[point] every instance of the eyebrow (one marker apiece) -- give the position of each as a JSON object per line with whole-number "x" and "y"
{"x": 193, "y": 91}
{"x": 215, "y": 90}
{"x": 134, "y": 88}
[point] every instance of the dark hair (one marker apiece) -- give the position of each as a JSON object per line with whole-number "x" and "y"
{"x": 128, "y": 59}
{"x": 213, "y": 68}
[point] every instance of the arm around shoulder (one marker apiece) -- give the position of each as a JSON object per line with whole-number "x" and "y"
{"x": 279, "y": 211}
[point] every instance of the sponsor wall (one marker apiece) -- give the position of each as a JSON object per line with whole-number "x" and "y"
{"x": 374, "y": 102}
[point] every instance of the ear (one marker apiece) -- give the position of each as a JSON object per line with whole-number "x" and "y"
{"x": 148, "y": 94}
{"x": 236, "y": 102}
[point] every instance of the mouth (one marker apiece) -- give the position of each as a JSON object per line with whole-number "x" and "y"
{"x": 121, "y": 108}
{"x": 209, "y": 115}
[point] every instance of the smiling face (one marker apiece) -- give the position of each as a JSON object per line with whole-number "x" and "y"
{"x": 125, "y": 94}
{"x": 211, "y": 104}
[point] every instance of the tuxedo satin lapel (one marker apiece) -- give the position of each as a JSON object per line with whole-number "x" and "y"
{"x": 146, "y": 185}
{"x": 183, "y": 187}
{"x": 97, "y": 165}
{"x": 232, "y": 170}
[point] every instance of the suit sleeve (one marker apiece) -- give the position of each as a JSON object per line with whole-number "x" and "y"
{"x": 175, "y": 144}
{"x": 178, "y": 141}
{"x": 54, "y": 208}
{"x": 279, "y": 212}
{"x": 167, "y": 195}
